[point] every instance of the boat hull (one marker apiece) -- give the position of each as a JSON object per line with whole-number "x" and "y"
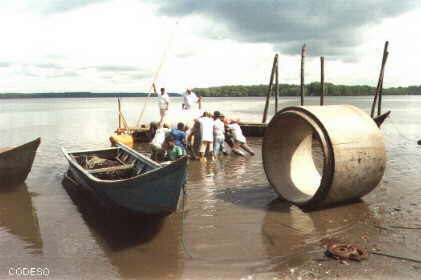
{"x": 16, "y": 163}
{"x": 253, "y": 129}
{"x": 154, "y": 193}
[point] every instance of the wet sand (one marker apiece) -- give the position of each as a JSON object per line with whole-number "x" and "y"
{"x": 233, "y": 225}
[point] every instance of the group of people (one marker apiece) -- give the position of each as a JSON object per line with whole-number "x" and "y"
{"x": 189, "y": 99}
{"x": 211, "y": 132}
{"x": 206, "y": 138}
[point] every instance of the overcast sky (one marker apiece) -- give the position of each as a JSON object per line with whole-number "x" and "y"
{"x": 118, "y": 45}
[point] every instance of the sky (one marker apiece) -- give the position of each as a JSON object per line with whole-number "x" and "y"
{"x": 125, "y": 45}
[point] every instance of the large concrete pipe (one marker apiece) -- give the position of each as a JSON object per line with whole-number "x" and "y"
{"x": 352, "y": 154}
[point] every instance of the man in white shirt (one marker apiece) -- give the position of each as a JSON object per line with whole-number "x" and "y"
{"x": 206, "y": 132}
{"x": 238, "y": 136}
{"x": 163, "y": 103}
{"x": 158, "y": 141}
{"x": 189, "y": 99}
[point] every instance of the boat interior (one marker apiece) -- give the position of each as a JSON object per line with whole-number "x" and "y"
{"x": 112, "y": 164}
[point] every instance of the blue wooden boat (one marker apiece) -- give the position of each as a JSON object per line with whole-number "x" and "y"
{"x": 123, "y": 179}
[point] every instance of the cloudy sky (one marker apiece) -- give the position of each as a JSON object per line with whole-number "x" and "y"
{"x": 119, "y": 45}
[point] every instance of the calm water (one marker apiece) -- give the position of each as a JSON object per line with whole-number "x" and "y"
{"x": 233, "y": 225}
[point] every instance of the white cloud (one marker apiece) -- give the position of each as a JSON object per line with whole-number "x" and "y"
{"x": 118, "y": 46}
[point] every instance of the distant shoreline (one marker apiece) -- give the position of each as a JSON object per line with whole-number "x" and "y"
{"x": 312, "y": 89}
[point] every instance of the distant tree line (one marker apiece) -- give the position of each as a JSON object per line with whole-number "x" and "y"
{"x": 312, "y": 89}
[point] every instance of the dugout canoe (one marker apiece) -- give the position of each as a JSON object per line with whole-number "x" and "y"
{"x": 123, "y": 179}
{"x": 253, "y": 129}
{"x": 16, "y": 162}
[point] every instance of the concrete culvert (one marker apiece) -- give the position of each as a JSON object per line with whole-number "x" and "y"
{"x": 316, "y": 156}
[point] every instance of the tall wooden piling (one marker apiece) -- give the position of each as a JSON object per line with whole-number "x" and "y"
{"x": 119, "y": 113}
{"x": 379, "y": 88}
{"x": 322, "y": 80}
{"x": 269, "y": 92}
{"x": 303, "y": 51}
{"x": 276, "y": 86}
{"x": 379, "y": 108}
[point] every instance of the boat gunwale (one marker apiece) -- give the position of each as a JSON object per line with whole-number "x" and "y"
{"x": 158, "y": 166}
{"x": 36, "y": 142}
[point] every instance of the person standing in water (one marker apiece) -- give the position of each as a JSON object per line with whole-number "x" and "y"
{"x": 206, "y": 133}
{"x": 164, "y": 104}
{"x": 219, "y": 134}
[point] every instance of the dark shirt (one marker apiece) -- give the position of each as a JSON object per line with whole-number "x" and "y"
{"x": 179, "y": 136}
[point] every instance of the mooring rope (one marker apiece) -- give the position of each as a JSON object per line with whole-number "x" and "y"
{"x": 190, "y": 255}
{"x": 183, "y": 241}
{"x": 163, "y": 59}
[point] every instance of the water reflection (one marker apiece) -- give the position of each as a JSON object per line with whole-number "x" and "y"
{"x": 289, "y": 231}
{"x": 19, "y": 217}
{"x": 137, "y": 247}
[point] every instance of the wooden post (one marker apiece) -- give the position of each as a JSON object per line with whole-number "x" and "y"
{"x": 276, "y": 86}
{"x": 119, "y": 113}
{"x": 303, "y": 51}
{"x": 265, "y": 112}
{"x": 322, "y": 80}
{"x": 379, "y": 108}
{"x": 380, "y": 82}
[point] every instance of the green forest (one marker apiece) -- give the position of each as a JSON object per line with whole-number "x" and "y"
{"x": 312, "y": 89}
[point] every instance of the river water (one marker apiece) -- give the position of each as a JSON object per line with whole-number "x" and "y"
{"x": 233, "y": 226}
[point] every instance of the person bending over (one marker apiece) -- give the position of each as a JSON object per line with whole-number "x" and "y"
{"x": 174, "y": 152}
{"x": 179, "y": 135}
{"x": 158, "y": 141}
{"x": 237, "y": 135}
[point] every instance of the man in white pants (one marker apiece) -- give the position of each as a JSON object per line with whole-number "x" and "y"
{"x": 164, "y": 104}
{"x": 206, "y": 133}
{"x": 189, "y": 99}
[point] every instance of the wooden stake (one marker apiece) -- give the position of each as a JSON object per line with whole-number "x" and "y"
{"x": 154, "y": 88}
{"x": 303, "y": 53}
{"x": 379, "y": 108}
{"x": 265, "y": 112}
{"x": 276, "y": 86}
{"x": 119, "y": 113}
{"x": 322, "y": 80}
{"x": 379, "y": 83}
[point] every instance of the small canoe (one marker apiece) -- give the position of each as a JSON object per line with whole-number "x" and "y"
{"x": 253, "y": 129}
{"x": 16, "y": 162}
{"x": 123, "y": 179}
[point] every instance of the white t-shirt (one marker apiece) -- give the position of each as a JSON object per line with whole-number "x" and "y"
{"x": 237, "y": 133}
{"x": 189, "y": 99}
{"x": 206, "y": 128}
{"x": 159, "y": 137}
{"x": 219, "y": 128}
{"x": 163, "y": 101}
